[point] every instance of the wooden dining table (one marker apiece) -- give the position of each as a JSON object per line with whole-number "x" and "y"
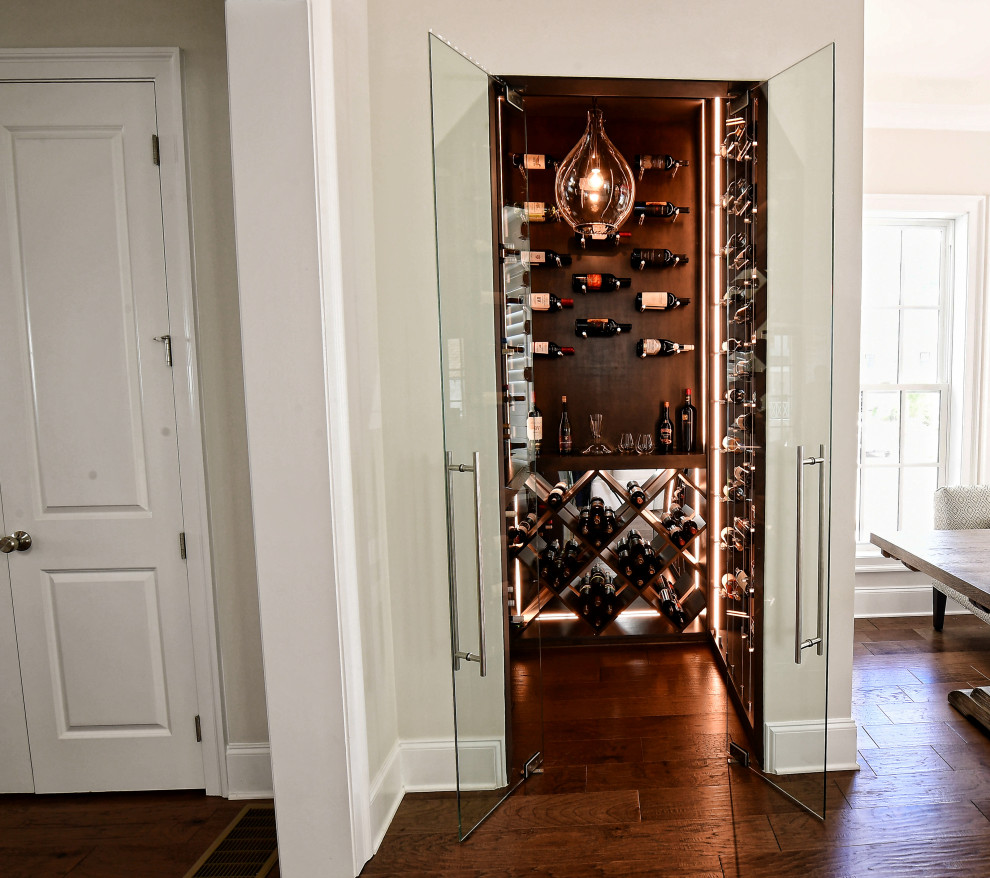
{"x": 961, "y": 560}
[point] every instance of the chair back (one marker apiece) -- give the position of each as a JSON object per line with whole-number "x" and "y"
{"x": 962, "y": 507}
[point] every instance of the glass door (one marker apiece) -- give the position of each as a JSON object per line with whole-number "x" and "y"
{"x": 793, "y": 396}
{"x": 488, "y": 766}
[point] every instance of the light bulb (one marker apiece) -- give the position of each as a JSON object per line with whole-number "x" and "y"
{"x": 595, "y": 187}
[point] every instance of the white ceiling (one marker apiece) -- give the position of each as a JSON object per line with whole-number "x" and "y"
{"x": 927, "y": 64}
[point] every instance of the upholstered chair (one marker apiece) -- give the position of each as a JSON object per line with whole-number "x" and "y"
{"x": 959, "y": 507}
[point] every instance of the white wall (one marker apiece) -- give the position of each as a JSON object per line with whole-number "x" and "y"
{"x": 929, "y": 162}
{"x": 662, "y": 39}
{"x": 197, "y": 27}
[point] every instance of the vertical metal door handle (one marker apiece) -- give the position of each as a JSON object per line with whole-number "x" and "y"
{"x": 802, "y": 462}
{"x": 481, "y": 657}
{"x": 455, "y": 637}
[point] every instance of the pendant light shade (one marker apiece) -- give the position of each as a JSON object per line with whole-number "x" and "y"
{"x": 595, "y": 187}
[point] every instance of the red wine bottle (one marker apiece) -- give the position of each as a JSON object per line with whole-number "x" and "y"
{"x": 658, "y": 301}
{"x": 555, "y": 499}
{"x": 599, "y": 326}
{"x": 582, "y": 283}
{"x": 550, "y": 349}
{"x": 660, "y": 347}
{"x": 564, "y": 439}
{"x": 545, "y": 257}
{"x": 661, "y": 162}
{"x": 660, "y": 257}
{"x": 636, "y": 495}
{"x": 548, "y": 302}
{"x": 528, "y": 161}
{"x": 662, "y": 209}
{"x": 665, "y": 432}
{"x": 687, "y": 417}
{"x": 735, "y": 395}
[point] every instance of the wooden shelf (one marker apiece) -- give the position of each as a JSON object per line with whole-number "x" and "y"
{"x": 584, "y": 462}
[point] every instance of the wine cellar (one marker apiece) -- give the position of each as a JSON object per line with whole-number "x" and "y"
{"x": 631, "y": 534}
{"x": 632, "y": 418}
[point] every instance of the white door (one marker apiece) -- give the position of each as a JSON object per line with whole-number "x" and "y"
{"x": 88, "y": 453}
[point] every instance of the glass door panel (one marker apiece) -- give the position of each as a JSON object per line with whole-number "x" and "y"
{"x": 472, "y": 428}
{"x": 799, "y": 137}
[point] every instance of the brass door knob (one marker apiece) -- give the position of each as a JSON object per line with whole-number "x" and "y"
{"x": 19, "y": 541}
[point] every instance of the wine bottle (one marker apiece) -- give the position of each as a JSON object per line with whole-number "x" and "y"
{"x": 581, "y": 283}
{"x": 550, "y": 349}
{"x": 534, "y": 428}
{"x": 658, "y": 301}
{"x": 555, "y": 499}
{"x": 660, "y": 347}
{"x": 661, "y": 162}
{"x": 734, "y": 491}
{"x": 509, "y": 349}
{"x": 545, "y": 257}
{"x": 603, "y": 235}
{"x": 744, "y": 421}
{"x": 604, "y": 327}
{"x": 521, "y": 530}
{"x": 662, "y": 209}
{"x": 742, "y": 577}
{"x": 538, "y": 212}
{"x": 743, "y": 474}
{"x": 636, "y": 495}
{"x": 687, "y": 417}
{"x": 659, "y": 257}
{"x": 548, "y": 302}
{"x": 736, "y": 295}
{"x": 735, "y": 395}
{"x": 670, "y": 606}
{"x": 571, "y": 557}
{"x": 665, "y": 432}
{"x": 732, "y": 445}
{"x": 597, "y": 513}
{"x": 564, "y": 439}
{"x": 731, "y": 345}
{"x": 528, "y": 161}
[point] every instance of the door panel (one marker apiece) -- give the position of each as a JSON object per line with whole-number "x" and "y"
{"x": 471, "y": 412}
{"x": 800, "y": 142}
{"x": 90, "y": 468}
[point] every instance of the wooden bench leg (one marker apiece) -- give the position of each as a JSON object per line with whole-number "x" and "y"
{"x": 938, "y": 609}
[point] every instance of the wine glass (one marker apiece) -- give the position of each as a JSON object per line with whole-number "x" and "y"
{"x": 644, "y": 444}
{"x": 626, "y": 444}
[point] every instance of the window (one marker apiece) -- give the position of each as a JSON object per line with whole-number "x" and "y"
{"x": 905, "y": 370}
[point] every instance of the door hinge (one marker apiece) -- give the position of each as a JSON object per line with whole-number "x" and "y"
{"x": 182, "y": 545}
{"x": 156, "y": 155}
{"x": 167, "y": 341}
{"x": 199, "y": 730}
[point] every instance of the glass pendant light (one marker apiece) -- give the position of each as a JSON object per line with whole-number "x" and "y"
{"x": 595, "y": 187}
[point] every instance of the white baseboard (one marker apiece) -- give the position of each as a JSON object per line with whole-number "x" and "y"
{"x": 386, "y": 794}
{"x": 901, "y": 600}
{"x": 796, "y": 747}
{"x": 249, "y": 771}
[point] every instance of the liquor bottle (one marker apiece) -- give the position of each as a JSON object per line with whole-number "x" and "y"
{"x": 538, "y": 212}
{"x": 660, "y": 347}
{"x": 550, "y": 349}
{"x": 564, "y": 439}
{"x": 528, "y": 161}
{"x": 604, "y": 327}
{"x": 735, "y": 395}
{"x": 534, "y": 428}
{"x": 662, "y": 209}
{"x": 665, "y": 432}
{"x": 658, "y": 301}
{"x": 545, "y": 257}
{"x": 659, "y": 257}
{"x": 548, "y": 302}
{"x": 555, "y": 499}
{"x": 581, "y": 283}
{"x": 636, "y": 495}
{"x": 687, "y": 417}
{"x": 661, "y": 162}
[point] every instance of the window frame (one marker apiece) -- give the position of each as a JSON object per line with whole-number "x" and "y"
{"x": 965, "y": 456}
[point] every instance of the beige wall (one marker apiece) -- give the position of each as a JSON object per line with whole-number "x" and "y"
{"x": 662, "y": 39}
{"x": 197, "y": 27}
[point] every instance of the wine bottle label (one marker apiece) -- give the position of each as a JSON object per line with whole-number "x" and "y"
{"x": 533, "y": 162}
{"x": 535, "y": 210}
{"x": 657, "y": 300}
{"x": 594, "y": 281}
{"x": 541, "y": 347}
{"x": 533, "y": 257}
{"x": 539, "y": 301}
{"x": 651, "y": 347}
{"x": 534, "y": 429}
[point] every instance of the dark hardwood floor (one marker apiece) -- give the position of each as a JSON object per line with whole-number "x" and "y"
{"x": 636, "y": 782}
{"x": 110, "y": 835}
